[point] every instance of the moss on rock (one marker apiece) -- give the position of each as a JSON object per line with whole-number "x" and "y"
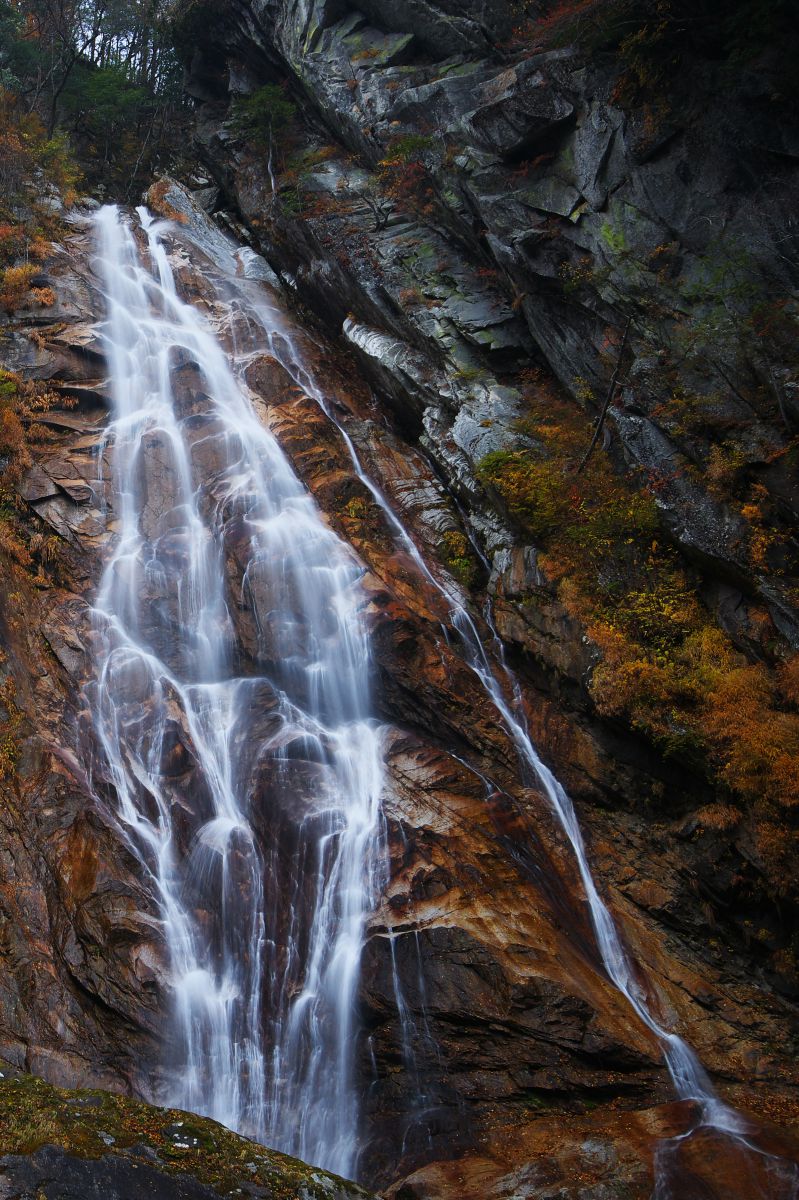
{"x": 93, "y": 1125}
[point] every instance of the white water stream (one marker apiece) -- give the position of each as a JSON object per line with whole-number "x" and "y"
{"x": 264, "y": 979}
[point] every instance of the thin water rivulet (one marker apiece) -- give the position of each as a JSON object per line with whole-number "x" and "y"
{"x": 690, "y": 1080}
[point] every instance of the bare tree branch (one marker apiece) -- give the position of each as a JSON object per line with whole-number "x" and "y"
{"x": 611, "y": 393}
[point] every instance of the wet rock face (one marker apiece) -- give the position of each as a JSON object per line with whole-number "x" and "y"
{"x": 481, "y": 999}
{"x": 504, "y": 1014}
{"x": 81, "y": 953}
{"x": 548, "y": 204}
{"x": 596, "y": 1158}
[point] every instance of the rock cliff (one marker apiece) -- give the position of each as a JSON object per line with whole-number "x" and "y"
{"x": 508, "y": 1026}
{"x": 514, "y": 236}
{"x": 462, "y": 228}
{"x": 498, "y": 220}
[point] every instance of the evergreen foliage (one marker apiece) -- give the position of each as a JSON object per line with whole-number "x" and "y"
{"x": 102, "y": 73}
{"x": 260, "y": 116}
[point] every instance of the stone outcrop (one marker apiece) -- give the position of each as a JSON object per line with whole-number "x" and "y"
{"x": 70, "y": 1145}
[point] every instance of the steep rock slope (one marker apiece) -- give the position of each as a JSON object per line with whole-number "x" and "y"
{"x": 507, "y": 1026}
{"x": 510, "y": 1029}
{"x": 77, "y": 996}
{"x": 478, "y": 213}
{"x": 477, "y": 210}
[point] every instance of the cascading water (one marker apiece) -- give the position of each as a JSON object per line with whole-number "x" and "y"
{"x": 263, "y": 965}
{"x": 264, "y": 975}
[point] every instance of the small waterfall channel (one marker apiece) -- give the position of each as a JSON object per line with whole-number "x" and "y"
{"x": 262, "y": 968}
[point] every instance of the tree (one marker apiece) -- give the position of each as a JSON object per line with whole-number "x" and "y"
{"x": 106, "y": 71}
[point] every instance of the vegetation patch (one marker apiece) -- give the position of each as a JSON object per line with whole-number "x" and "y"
{"x": 665, "y": 667}
{"x": 458, "y": 557}
{"x": 11, "y": 718}
{"x": 24, "y": 555}
{"x": 405, "y": 174}
{"x": 103, "y": 84}
{"x": 721, "y": 340}
{"x": 259, "y": 117}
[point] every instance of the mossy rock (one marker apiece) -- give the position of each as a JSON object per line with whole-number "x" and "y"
{"x": 59, "y": 1144}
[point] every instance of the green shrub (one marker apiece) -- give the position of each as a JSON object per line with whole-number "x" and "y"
{"x": 259, "y": 117}
{"x": 458, "y": 557}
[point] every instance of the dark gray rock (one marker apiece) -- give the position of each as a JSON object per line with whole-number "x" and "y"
{"x": 517, "y": 109}
{"x": 53, "y": 1174}
{"x": 583, "y": 209}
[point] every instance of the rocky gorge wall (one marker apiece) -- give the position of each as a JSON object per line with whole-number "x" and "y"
{"x": 516, "y": 1028}
{"x": 424, "y": 299}
{"x": 493, "y": 229}
{"x": 492, "y": 219}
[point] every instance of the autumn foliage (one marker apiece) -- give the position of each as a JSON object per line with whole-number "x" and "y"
{"x": 664, "y": 666}
{"x": 404, "y": 176}
{"x": 22, "y": 403}
{"x": 31, "y": 163}
{"x": 10, "y": 721}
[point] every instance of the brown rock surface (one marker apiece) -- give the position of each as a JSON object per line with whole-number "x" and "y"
{"x": 80, "y": 945}
{"x": 603, "y": 1156}
{"x": 509, "y": 1047}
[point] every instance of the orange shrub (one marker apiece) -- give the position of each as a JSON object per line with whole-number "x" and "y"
{"x": 755, "y": 744}
{"x": 10, "y": 720}
{"x": 14, "y": 287}
{"x": 44, "y": 296}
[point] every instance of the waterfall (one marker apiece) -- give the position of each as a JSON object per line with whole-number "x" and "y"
{"x": 264, "y": 889}
{"x": 263, "y": 960}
